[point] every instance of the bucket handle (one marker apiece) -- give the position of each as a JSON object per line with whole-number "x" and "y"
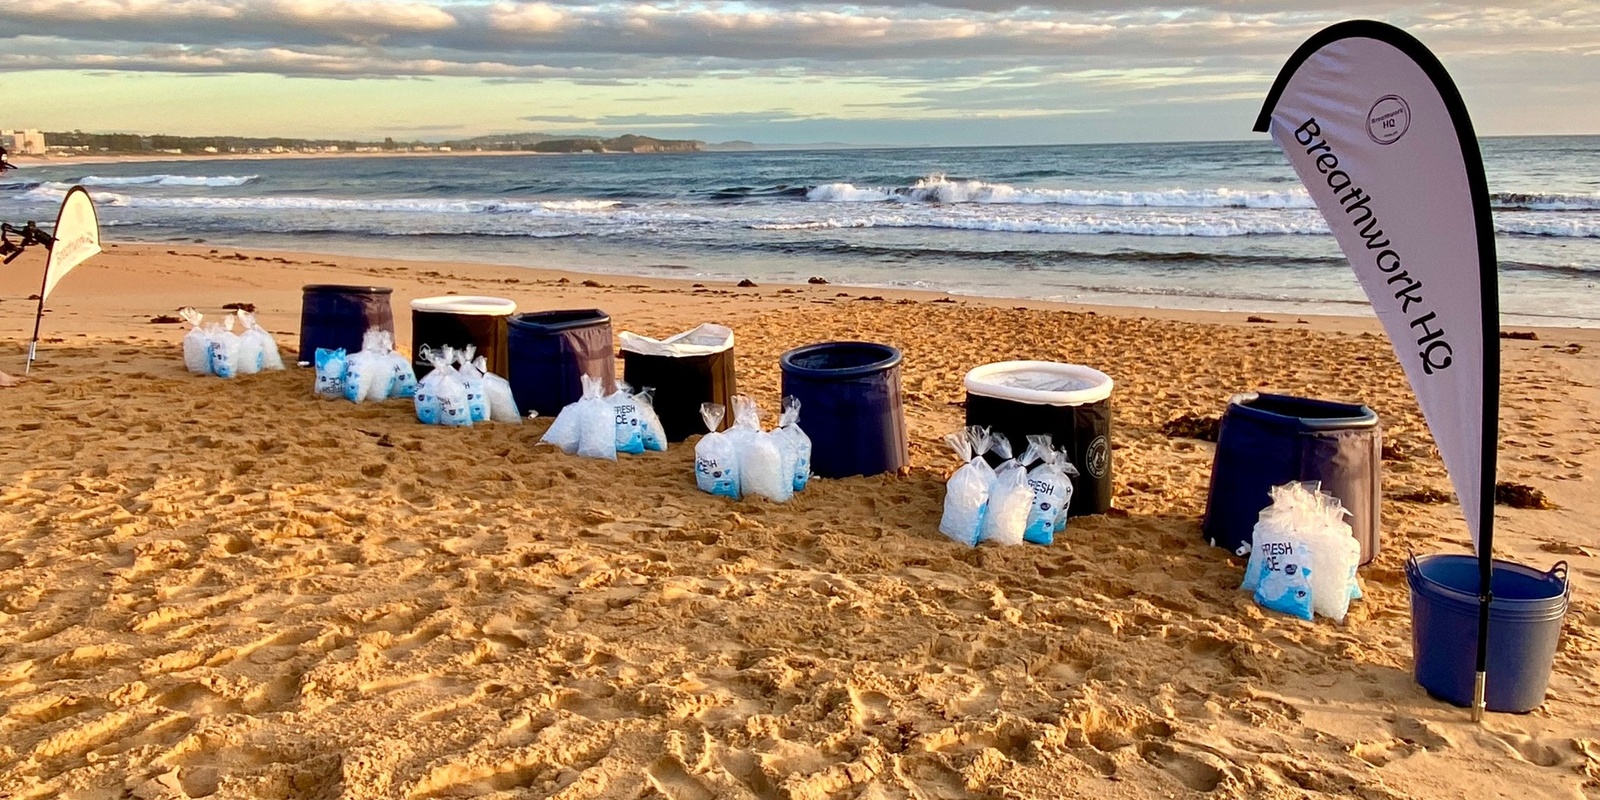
{"x": 1414, "y": 575}
{"x": 1559, "y": 572}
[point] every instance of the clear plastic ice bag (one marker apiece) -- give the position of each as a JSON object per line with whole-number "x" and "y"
{"x": 716, "y": 464}
{"x": 625, "y": 416}
{"x": 966, "y": 494}
{"x": 1052, "y": 490}
{"x": 262, "y": 340}
{"x": 1005, "y": 521}
{"x": 650, "y": 428}
{"x": 330, "y": 372}
{"x": 367, "y": 370}
{"x": 586, "y": 426}
{"x": 1285, "y": 579}
{"x": 597, "y": 426}
{"x": 224, "y": 348}
{"x": 1311, "y": 521}
{"x": 497, "y": 391}
{"x": 471, "y": 377}
{"x": 798, "y": 441}
{"x": 427, "y": 398}
{"x": 251, "y": 356}
{"x": 761, "y": 464}
{"x": 196, "y": 344}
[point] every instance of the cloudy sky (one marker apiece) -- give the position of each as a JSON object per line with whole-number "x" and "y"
{"x": 941, "y": 72}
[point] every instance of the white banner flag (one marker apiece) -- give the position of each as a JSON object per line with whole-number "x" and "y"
{"x": 77, "y": 237}
{"x": 1379, "y": 135}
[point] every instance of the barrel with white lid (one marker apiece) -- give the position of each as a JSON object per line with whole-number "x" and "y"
{"x": 1070, "y": 402}
{"x": 460, "y": 320}
{"x": 685, "y": 370}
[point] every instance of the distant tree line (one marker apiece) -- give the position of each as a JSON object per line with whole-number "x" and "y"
{"x": 529, "y": 142}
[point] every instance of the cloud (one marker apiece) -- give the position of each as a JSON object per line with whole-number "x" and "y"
{"x": 921, "y": 59}
{"x": 500, "y": 39}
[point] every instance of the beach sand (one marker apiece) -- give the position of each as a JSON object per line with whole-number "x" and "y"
{"x": 217, "y": 588}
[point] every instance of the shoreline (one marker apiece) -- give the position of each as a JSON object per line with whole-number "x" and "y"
{"x": 1359, "y": 323}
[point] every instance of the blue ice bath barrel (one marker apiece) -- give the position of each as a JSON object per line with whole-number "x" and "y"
{"x": 549, "y": 352}
{"x": 1267, "y": 440}
{"x": 334, "y": 316}
{"x": 850, "y": 406}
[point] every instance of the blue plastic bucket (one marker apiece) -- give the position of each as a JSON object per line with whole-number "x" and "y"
{"x": 549, "y": 352}
{"x": 334, "y": 316}
{"x": 1524, "y": 628}
{"x": 850, "y": 406}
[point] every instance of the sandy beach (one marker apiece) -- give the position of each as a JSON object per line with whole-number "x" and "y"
{"x": 234, "y": 589}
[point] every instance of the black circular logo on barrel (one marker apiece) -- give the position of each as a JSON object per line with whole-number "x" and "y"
{"x": 1389, "y": 119}
{"x": 1098, "y": 457}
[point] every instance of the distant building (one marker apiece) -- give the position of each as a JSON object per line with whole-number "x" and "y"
{"x": 23, "y": 143}
{"x": 210, "y": 150}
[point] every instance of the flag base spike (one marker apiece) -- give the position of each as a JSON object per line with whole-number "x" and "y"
{"x": 1478, "y": 703}
{"x": 32, "y": 348}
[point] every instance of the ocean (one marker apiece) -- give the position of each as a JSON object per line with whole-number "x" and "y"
{"x": 1216, "y": 226}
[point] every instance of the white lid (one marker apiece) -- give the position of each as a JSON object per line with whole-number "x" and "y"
{"x": 1039, "y": 382}
{"x": 703, "y": 340}
{"x": 460, "y": 304}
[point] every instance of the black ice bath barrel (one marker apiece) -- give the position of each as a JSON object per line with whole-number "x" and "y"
{"x": 850, "y": 406}
{"x": 458, "y": 321}
{"x": 1267, "y": 440}
{"x": 686, "y": 371}
{"x": 1070, "y": 402}
{"x": 550, "y": 352}
{"x": 334, "y": 316}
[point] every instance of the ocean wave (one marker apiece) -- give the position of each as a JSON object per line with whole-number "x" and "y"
{"x": 1557, "y": 201}
{"x": 56, "y": 191}
{"x": 943, "y": 190}
{"x": 166, "y": 180}
{"x": 1553, "y": 269}
{"x": 1587, "y": 227}
{"x": 1149, "y": 225}
{"x": 940, "y": 189}
{"x": 1033, "y": 259}
{"x": 1131, "y": 220}
{"x": 1087, "y": 225}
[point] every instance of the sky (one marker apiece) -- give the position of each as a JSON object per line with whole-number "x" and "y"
{"x": 883, "y": 72}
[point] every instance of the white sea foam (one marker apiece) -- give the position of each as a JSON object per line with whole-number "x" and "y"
{"x": 1133, "y": 213}
{"x": 1136, "y": 225}
{"x": 939, "y": 189}
{"x": 168, "y": 180}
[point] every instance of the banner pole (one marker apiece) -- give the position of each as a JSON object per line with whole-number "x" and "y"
{"x": 38, "y": 317}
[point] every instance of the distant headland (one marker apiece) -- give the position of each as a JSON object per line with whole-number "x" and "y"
{"x": 67, "y": 144}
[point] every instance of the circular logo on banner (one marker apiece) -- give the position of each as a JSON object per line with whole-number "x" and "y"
{"x": 1388, "y": 119}
{"x": 1097, "y": 458}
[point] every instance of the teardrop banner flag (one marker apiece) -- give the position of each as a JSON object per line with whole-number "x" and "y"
{"x": 1380, "y": 137}
{"x": 76, "y": 240}
{"x": 77, "y": 236}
